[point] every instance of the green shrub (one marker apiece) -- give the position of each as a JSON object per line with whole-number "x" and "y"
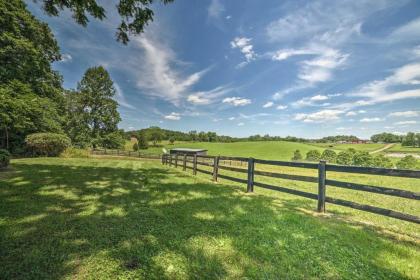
{"x": 382, "y": 161}
{"x": 407, "y": 162}
{"x": 297, "y": 155}
{"x": 113, "y": 140}
{"x": 143, "y": 142}
{"x": 4, "y": 158}
{"x": 135, "y": 147}
{"x": 313, "y": 155}
{"x": 47, "y": 144}
{"x": 362, "y": 158}
{"x": 72, "y": 152}
{"x": 345, "y": 158}
{"x": 171, "y": 140}
{"x": 329, "y": 155}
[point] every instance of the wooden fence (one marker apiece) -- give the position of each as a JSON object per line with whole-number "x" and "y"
{"x": 125, "y": 153}
{"x": 221, "y": 163}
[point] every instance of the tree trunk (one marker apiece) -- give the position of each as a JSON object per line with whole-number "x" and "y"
{"x": 7, "y": 137}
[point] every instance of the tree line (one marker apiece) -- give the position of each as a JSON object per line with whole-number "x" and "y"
{"x": 410, "y": 139}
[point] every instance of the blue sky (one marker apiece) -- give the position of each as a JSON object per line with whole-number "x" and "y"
{"x": 301, "y": 68}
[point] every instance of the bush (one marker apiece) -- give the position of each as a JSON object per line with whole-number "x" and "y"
{"x": 143, "y": 142}
{"x": 329, "y": 155}
{"x": 113, "y": 140}
{"x": 345, "y": 158}
{"x": 407, "y": 162}
{"x": 313, "y": 155}
{"x": 72, "y": 152}
{"x": 297, "y": 155}
{"x": 171, "y": 140}
{"x": 4, "y": 158}
{"x": 47, "y": 144}
{"x": 362, "y": 158}
{"x": 135, "y": 147}
{"x": 382, "y": 161}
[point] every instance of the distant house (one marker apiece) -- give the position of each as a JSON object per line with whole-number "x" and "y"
{"x": 188, "y": 151}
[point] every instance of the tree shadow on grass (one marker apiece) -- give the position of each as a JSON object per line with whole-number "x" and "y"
{"x": 156, "y": 223}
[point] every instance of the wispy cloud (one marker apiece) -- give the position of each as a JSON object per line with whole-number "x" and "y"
{"x": 268, "y": 104}
{"x": 237, "y": 101}
{"x": 405, "y": 122}
{"x": 281, "y": 107}
{"x": 173, "y": 116}
{"x": 376, "y": 119}
{"x": 246, "y": 48}
{"x": 120, "y": 98}
{"x": 66, "y": 57}
{"x": 405, "y": 114}
{"x": 320, "y": 116}
{"x": 208, "y": 97}
{"x": 215, "y": 9}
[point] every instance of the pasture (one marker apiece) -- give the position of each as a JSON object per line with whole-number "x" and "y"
{"x": 108, "y": 219}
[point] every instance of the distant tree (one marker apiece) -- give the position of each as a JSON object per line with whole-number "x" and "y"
{"x": 156, "y": 135}
{"x": 143, "y": 142}
{"x": 407, "y": 162}
{"x": 345, "y": 158}
{"x": 211, "y": 136}
{"x": 202, "y": 136}
{"x": 409, "y": 139}
{"x": 362, "y": 158}
{"x": 193, "y": 135}
{"x": 297, "y": 156}
{"x": 313, "y": 155}
{"x": 171, "y": 140}
{"x": 386, "y": 138}
{"x": 135, "y": 147}
{"x": 135, "y": 14}
{"x": 329, "y": 155}
{"x": 113, "y": 140}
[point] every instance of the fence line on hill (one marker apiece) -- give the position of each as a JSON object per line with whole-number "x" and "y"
{"x": 122, "y": 153}
{"x": 220, "y": 163}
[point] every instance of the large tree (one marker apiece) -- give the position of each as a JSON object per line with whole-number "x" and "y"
{"x": 30, "y": 91}
{"x": 92, "y": 110}
{"x": 135, "y": 14}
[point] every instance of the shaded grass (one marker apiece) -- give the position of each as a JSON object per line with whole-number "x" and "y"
{"x": 108, "y": 219}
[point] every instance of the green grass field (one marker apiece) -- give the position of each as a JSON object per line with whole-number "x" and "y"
{"x": 130, "y": 219}
{"x": 370, "y": 147}
{"x": 280, "y": 150}
{"x": 400, "y": 149}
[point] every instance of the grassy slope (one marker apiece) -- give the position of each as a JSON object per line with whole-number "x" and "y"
{"x": 97, "y": 219}
{"x": 401, "y": 149}
{"x": 280, "y": 150}
{"x": 360, "y": 147}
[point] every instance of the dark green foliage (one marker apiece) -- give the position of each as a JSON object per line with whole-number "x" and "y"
{"x": 297, "y": 155}
{"x": 135, "y": 14}
{"x": 411, "y": 139}
{"x": 362, "y": 158}
{"x": 92, "y": 111}
{"x": 345, "y": 158}
{"x": 313, "y": 155}
{"x": 172, "y": 140}
{"x": 386, "y": 138}
{"x": 382, "y": 161}
{"x": 407, "y": 162}
{"x": 143, "y": 142}
{"x": 155, "y": 134}
{"x": 4, "y": 158}
{"x": 338, "y": 138}
{"x": 135, "y": 147}
{"x": 329, "y": 156}
{"x": 47, "y": 144}
{"x": 113, "y": 140}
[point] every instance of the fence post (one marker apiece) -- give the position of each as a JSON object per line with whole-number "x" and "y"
{"x": 215, "y": 168}
{"x": 184, "y": 166}
{"x": 129, "y": 153}
{"x": 176, "y": 160}
{"x": 195, "y": 165}
{"x": 170, "y": 160}
{"x": 163, "y": 159}
{"x": 250, "y": 185}
{"x": 118, "y": 152}
{"x": 321, "y": 186}
{"x": 105, "y": 151}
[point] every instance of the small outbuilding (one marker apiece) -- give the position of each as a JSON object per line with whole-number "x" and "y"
{"x": 190, "y": 152}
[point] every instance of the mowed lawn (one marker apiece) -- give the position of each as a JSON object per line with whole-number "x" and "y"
{"x": 368, "y": 147}
{"x": 279, "y": 150}
{"x": 130, "y": 219}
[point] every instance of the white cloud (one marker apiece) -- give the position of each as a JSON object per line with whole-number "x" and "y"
{"x": 207, "y": 97}
{"x": 281, "y": 107}
{"x": 376, "y": 119}
{"x": 158, "y": 75}
{"x": 173, "y": 116}
{"x": 405, "y": 114}
{"x": 405, "y": 122}
{"x": 120, "y": 98}
{"x": 241, "y": 124}
{"x": 407, "y": 32}
{"x": 237, "y": 101}
{"x": 215, "y": 9}
{"x": 351, "y": 113}
{"x": 228, "y": 17}
{"x": 320, "y": 116}
{"x": 268, "y": 104}
{"x": 311, "y": 101}
{"x": 246, "y": 48}
{"x": 231, "y": 118}
{"x": 283, "y": 54}
{"x": 66, "y": 57}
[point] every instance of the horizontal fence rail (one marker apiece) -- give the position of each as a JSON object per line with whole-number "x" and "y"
{"x": 217, "y": 163}
{"x": 125, "y": 154}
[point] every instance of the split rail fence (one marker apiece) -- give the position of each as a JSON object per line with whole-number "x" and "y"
{"x": 231, "y": 164}
{"x": 122, "y": 153}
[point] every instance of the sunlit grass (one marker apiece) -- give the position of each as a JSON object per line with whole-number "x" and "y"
{"x": 128, "y": 219}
